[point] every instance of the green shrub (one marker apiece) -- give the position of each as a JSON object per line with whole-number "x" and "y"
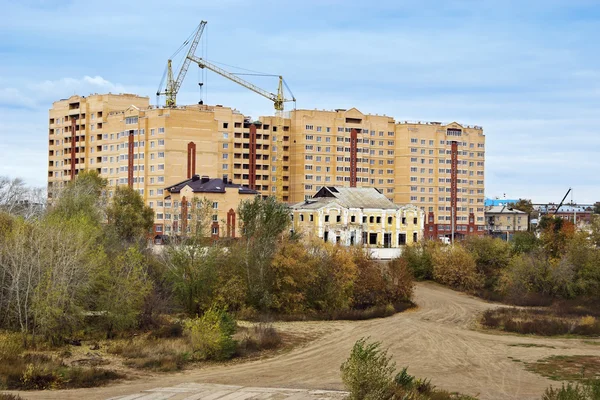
{"x": 211, "y": 335}
{"x": 419, "y": 259}
{"x": 368, "y": 372}
{"x": 588, "y": 390}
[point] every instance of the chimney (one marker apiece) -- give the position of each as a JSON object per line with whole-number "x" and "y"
{"x": 205, "y": 179}
{"x": 225, "y": 179}
{"x": 195, "y": 178}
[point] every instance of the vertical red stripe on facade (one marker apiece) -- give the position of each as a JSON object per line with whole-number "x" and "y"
{"x": 184, "y": 215}
{"x": 130, "y": 161}
{"x": 191, "y": 159}
{"x": 353, "y": 151}
{"x": 252, "y": 158}
{"x": 231, "y": 223}
{"x": 73, "y": 146}
{"x": 454, "y": 178}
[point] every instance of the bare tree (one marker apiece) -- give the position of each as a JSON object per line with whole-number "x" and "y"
{"x": 18, "y": 199}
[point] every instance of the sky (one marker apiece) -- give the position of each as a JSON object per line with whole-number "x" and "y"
{"x": 527, "y": 71}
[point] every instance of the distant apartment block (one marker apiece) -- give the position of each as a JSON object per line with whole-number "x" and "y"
{"x": 438, "y": 168}
{"x": 504, "y": 219}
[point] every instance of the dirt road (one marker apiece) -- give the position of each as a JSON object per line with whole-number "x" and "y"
{"x": 435, "y": 341}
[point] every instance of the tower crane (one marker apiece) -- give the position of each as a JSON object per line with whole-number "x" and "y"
{"x": 278, "y": 100}
{"x": 173, "y": 85}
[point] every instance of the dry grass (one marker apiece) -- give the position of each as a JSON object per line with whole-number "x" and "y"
{"x": 10, "y": 396}
{"x": 567, "y": 368}
{"x": 162, "y": 355}
{"x": 33, "y": 371}
{"x": 546, "y": 321}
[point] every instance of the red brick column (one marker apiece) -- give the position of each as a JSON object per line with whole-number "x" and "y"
{"x": 130, "y": 161}
{"x": 353, "y": 151}
{"x": 73, "y": 145}
{"x": 252, "y": 157}
{"x": 231, "y": 223}
{"x": 191, "y": 159}
{"x": 184, "y": 214}
{"x": 454, "y": 179}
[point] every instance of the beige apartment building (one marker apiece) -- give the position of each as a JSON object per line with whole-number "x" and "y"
{"x": 438, "y": 168}
{"x": 504, "y": 219}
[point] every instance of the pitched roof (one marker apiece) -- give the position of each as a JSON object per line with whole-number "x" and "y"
{"x": 207, "y": 185}
{"x": 349, "y": 198}
{"x": 504, "y": 210}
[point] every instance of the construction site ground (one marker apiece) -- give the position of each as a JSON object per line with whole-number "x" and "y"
{"x": 438, "y": 340}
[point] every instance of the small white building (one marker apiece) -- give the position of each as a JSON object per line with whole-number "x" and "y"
{"x": 350, "y": 216}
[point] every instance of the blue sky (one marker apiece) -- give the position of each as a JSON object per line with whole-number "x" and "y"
{"x": 527, "y": 71}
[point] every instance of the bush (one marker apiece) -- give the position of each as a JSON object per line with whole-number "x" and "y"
{"x": 491, "y": 257}
{"x": 211, "y": 335}
{"x": 588, "y": 390}
{"x": 455, "y": 267}
{"x": 39, "y": 372}
{"x": 368, "y": 372}
{"x": 419, "y": 258}
{"x": 260, "y": 337}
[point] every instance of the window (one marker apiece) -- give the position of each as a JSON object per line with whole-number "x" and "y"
{"x": 225, "y": 135}
{"x": 161, "y": 130}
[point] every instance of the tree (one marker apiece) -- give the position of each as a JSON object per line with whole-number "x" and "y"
{"x": 119, "y": 291}
{"x": 524, "y": 205}
{"x": 595, "y": 230}
{"x": 84, "y": 196}
{"x": 292, "y": 272}
{"x": 193, "y": 271}
{"x": 555, "y": 234}
{"x": 263, "y": 222}
{"x": 597, "y": 207}
{"x": 524, "y": 242}
{"x": 69, "y": 260}
{"x": 491, "y": 257}
{"x": 454, "y": 266}
{"x": 419, "y": 258}
{"x": 336, "y": 274}
{"x": 18, "y": 199}
{"x": 129, "y": 219}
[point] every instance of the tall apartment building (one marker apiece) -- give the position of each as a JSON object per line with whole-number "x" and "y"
{"x": 436, "y": 167}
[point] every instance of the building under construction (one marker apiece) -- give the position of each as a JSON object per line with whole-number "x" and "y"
{"x": 437, "y": 167}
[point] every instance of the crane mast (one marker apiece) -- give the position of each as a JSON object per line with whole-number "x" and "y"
{"x": 278, "y": 102}
{"x": 173, "y": 85}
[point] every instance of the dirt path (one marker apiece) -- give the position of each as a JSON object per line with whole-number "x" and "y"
{"x": 435, "y": 341}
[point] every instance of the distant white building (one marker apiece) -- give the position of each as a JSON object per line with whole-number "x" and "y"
{"x": 351, "y": 216}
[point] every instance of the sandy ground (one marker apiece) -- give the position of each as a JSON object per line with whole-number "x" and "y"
{"x": 437, "y": 341}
